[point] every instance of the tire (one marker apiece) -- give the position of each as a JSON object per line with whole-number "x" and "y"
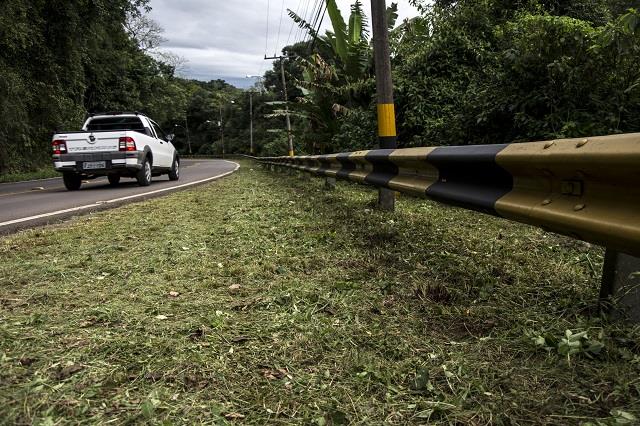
{"x": 72, "y": 181}
{"x": 174, "y": 173}
{"x": 114, "y": 180}
{"x": 144, "y": 174}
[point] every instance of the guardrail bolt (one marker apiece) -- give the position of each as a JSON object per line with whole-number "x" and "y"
{"x": 546, "y": 202}
{"x": 579, "y": 207}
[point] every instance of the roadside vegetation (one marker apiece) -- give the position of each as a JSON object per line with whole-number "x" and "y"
{"x": 263, "y": 299}
{"x": 465, "y": 72}
{"x": 43, "y": 173}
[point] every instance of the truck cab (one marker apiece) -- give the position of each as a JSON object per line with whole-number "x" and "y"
{"x": 115, "y": 145}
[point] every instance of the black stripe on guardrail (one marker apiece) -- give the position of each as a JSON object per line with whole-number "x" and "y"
{"x": 383, "y": 169}
{"x": 347, "y": 166}
{"x": 469, "y": 176}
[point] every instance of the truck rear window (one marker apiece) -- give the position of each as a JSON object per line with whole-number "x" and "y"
{"x": 116, "y": 123}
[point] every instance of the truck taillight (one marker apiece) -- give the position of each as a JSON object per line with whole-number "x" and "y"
{"x": 127, "y": 144}
{"x": 59, "y": 147}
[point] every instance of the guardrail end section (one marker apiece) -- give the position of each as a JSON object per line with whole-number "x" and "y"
{"x": 620, "y": 291}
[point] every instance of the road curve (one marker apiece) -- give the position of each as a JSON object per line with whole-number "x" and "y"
{"x": 28, "y": 204}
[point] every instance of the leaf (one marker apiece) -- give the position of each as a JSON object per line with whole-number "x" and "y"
{"x": 630, "y": 22}
{"x": 174, "y": 294}
{"x": 424, "y": 414}
{"x": 540, "y": 341}
{"x": 623, "y": 417}
{"x": 275, "y": 374}
{"x": 161, "y": 317}
{"x": 148, "y": 409}
{"x": 69, "y": 371}
{"x": 355, "y": 25}
{"x": 392, "y": 15}
{"x": 339, "y": 30}
{"x": 421, "y": 381}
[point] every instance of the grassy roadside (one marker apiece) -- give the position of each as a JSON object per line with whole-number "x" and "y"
{"x": 44, "y": 173}
{"x": 263, "y": 299}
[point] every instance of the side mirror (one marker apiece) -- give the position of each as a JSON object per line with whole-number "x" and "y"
{"x": 170, "y": 137}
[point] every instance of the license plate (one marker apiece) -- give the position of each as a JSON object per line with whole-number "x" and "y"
{"x": 93, "y": 165}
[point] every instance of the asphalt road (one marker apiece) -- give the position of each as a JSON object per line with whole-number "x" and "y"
{"x": 27, "y": 204}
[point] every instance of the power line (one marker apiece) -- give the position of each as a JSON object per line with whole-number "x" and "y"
{"x": 313, "y": 44}
{"x": 304, "y": 17}
{"x": 279, "y": 27}
{"x": 313, "y": 12}
{"x": 294, "y": 22}
{"x": 315, "y": 21}
{"x": 266, "y": 38}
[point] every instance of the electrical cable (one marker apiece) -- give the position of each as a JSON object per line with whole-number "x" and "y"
{"x": 294, "y": 22}
{"x": 279, "y": 28}
{"x": 304, "y": 17}
{"x": 266, "y": 39}
{"x": 313, "y": 44}
{"x": 315, "y": 21}
{"x": 313, "y": 12}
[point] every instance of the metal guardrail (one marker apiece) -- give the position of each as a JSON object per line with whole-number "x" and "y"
{"x": 587, "y": 189}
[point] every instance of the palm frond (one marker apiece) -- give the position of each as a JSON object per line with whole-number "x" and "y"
{"x": 302, "y": 23}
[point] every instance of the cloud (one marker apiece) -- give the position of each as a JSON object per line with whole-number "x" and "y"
{"x": 227, "y": 38}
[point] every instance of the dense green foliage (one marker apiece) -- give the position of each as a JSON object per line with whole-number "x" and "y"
{"x": 487, "y": 71}
{"x": 62, "y": 59}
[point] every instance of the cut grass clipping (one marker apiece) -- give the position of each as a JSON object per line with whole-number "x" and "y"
{"x": 263, "y": 298}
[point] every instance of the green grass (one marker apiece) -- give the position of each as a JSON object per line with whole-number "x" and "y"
{"x": 296, "y": 305}
{"x": 43, "y": 173}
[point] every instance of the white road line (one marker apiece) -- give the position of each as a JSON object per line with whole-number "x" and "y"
{"x": 116, "y": 200}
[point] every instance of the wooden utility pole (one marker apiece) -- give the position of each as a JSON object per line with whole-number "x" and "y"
{"x": 286, "y": 100}
{"x": 186, "y": 127}
{"x": 221, "y": 131}
{"x": 251, "y": 122}
{"x": 386, "y": 110}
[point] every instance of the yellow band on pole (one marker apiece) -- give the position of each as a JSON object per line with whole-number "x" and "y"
{"x": 386, "y": 120}
{"x": 290, "y": 153}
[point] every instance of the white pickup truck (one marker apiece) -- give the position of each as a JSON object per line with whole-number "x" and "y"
{"x": 115, "y": 145}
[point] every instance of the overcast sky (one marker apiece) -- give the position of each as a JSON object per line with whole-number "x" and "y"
{"x": 227, "y": 38}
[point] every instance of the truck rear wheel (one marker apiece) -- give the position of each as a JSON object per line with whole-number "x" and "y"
{"x": 72, "y": 181}
{"x": 144, "y": 174}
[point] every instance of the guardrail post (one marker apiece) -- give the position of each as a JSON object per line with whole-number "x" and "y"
{"x": 620, "y": 291}
{"x": 330, "y": 183}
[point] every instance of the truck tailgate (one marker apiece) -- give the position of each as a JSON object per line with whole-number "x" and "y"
{"x": 91, "y": 142}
